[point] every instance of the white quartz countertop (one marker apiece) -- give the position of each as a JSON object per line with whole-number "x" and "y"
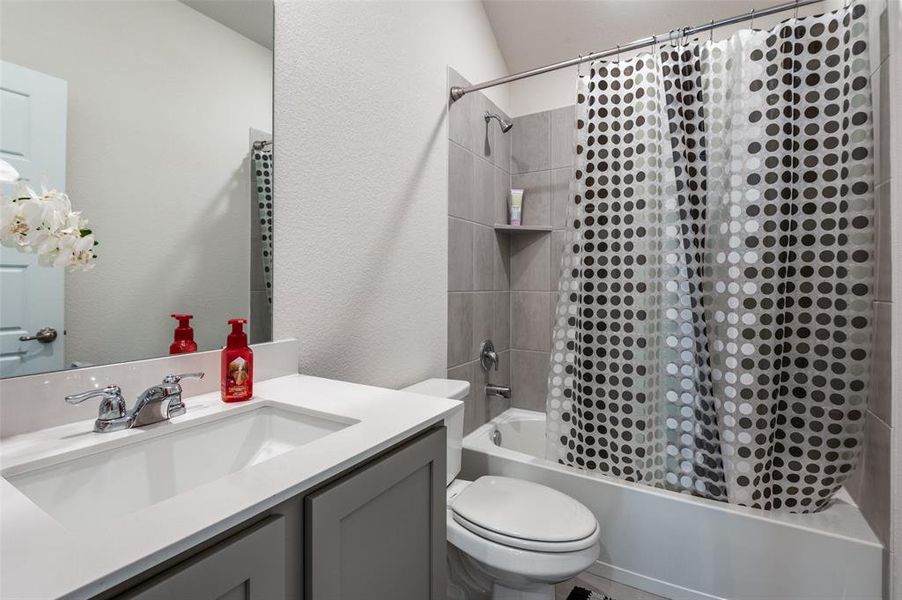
{"x": 41, "y": 558}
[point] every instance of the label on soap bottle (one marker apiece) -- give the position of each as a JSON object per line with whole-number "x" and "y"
{"x": 237, "y": 378}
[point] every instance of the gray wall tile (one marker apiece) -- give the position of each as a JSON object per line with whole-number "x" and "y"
{"x": 560, "y": 193}
{"x": 884, "y": 122}
{"x": 530, "y": 143}
{"x": 479, "y": 413}
{"x": 563, "y": 128}
{"x": 558, "y": 239}
{"x": 484, "y": 249}
{"x": 882, "y": 103}
{"x": 461, "y": 373}
{"x": 529, "y": 377}
{"x": 459, "y": 113}
{"x": 501, "y": 142}
{"x": 460, "y": 327}
{"x": 495, "y": 405}
{"x": 878, "y": 39}
{"x": 478, "y": 257}
{"x": 884, "y": 255}
{"x": 483, "y": 133}
{"x": 460, "y": 255}
{"x": 471, "y": 410}
{"x": 260, "y": 326}
{"x": 502, "y": 196}
{"x": 502, "y": 320}
{"x": 501, "y": 272}
{"x": 874, "y": 498}
{"x": 483, "y": 320}
{"x": 881, "y": 401}
{"x": 536, "y": 188}
{"x": 484, "y": 198}
{"x": 531, "y": 261}
{"x": 531, "y": 321}
{"x": 461, "y": 176}
{"x": 257, "y": 281}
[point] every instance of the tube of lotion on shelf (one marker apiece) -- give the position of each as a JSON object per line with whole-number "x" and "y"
{"x": 516, "y": 206}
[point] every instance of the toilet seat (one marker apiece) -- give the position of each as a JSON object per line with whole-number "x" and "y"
{"x": 547, "y": 567}
{"x": 525, "y": 544}
{"x": 505, "y": 510}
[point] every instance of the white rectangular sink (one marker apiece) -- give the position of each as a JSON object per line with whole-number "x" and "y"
{"x": 87, "y": 491}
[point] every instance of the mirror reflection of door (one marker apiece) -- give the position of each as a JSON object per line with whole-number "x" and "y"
{"x": 33, "y": 140}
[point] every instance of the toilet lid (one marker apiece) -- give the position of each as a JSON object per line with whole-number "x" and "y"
{"x": 523, "y": 509}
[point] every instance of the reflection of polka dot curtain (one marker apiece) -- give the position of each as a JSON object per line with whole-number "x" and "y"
{"x": 714, "y": 321}
{"x": 263, "y": 178}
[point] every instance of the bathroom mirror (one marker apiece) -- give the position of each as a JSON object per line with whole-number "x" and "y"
{"x": 155, "y": 118}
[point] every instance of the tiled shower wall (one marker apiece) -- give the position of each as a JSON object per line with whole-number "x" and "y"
{"x": 541, "y": 159}
{"x": 478, "y": 256}
{"x": 871, "y": 487}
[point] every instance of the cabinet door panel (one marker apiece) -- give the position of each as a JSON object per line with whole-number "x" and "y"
{"x": 380, "y": 532}
{"x": 247, "y": 566}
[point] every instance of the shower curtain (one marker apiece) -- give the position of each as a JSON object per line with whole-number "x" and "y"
{"x": 713, "y": 325}
{"x": 263, "y": 175}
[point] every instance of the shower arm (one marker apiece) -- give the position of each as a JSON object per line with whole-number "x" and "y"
{"x": 458, "y": 92}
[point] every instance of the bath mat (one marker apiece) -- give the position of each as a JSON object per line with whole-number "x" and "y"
{"x": 579, "y": 593}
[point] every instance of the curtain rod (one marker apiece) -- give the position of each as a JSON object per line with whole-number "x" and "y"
{"x": 459, "y": 92}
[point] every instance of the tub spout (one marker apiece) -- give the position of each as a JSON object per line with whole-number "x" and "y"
{"x": 498, "y": 390}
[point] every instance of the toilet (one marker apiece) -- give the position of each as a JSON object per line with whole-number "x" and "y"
{"x": 518, "y": 536}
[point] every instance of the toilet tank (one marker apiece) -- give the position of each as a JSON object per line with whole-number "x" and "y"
{"x": 455, "y": 390}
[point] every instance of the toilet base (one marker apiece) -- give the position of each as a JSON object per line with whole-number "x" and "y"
{"x": 539, "y": 591}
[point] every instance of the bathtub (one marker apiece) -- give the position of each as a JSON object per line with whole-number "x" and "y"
{"x": 682, "y": 547}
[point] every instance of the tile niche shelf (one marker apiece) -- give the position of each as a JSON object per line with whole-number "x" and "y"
{"x": 522, "y": 228}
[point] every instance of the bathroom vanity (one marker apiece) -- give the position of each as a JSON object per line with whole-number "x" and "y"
{"x": 295, "y": 494}
{"x": 327, "y": 543}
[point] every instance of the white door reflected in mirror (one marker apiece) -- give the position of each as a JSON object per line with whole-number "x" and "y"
{"x": 33, "y": 141}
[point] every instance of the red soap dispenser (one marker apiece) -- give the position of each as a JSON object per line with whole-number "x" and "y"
{"x": 237, "y": 365}
{"x": 183, "y": 341}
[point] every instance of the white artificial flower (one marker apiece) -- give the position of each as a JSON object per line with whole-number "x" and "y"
{"x": 8, "y": 173}
{"x": 47, "y": 226}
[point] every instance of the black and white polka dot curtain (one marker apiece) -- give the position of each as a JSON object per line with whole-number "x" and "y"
{"x": 713, "y": 327}
{"x": 263, "y": 176}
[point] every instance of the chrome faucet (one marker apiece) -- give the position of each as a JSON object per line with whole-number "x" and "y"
{"x": 498, "y": 390}
{"x": 488, "y": 358}
{"x": 157, "y": 403}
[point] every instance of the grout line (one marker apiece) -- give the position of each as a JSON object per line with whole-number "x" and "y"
{"x": 879, "y": 420}
{"x": 462, "y": 219}
{"x": 467, "y": 150}
{"x": 469, "y": 362}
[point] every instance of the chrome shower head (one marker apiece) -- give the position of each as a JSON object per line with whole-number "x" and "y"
{"x": 503, "y": 123}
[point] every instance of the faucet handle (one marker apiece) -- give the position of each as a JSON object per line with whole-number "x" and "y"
{"x": 177, "y": 378}
{"x": 112, "y": 405}
{"x": 109, "y": 392}
{"x": 488, "y": 358}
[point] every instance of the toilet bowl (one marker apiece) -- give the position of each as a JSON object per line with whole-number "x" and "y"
{"x": 521, "y": 536}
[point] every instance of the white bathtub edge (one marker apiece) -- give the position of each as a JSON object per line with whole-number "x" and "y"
{"x": 728, "y": 552}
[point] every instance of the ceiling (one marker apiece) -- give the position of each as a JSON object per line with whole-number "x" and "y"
{"x": 251, "y": 18}
{"x": 532, "y": 33}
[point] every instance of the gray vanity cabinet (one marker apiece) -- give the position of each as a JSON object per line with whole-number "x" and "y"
{"x": 379, "y": 532}
{"x": 248, "y": 566}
